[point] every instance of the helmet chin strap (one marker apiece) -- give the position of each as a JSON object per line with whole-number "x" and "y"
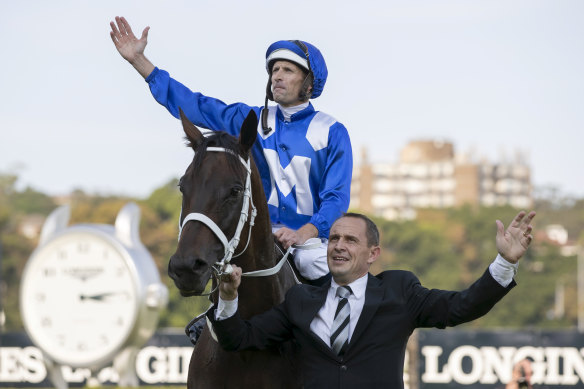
{"x": 265, "y": 127}
{"x": 264, "y": 115}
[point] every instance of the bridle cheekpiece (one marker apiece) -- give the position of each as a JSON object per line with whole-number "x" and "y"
{"x": 223, "y": 267}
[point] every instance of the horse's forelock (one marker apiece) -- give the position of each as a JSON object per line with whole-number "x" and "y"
{"x": 220, "y": 139}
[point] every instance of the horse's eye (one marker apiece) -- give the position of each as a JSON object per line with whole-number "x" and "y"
{"x": 236, "y": 191}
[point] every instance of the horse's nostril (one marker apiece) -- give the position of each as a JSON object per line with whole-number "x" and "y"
{"x": 198, "y": 265}
{"x": 180, "y": 268}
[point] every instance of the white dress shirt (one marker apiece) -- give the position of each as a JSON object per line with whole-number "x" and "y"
{"x": 323, "y": 321}
{"x": 503, "y": 271}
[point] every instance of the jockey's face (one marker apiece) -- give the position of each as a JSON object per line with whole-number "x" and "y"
{"x": 287, "y": 79}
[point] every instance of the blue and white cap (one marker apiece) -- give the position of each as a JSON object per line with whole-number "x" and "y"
{"x": 305, "y": 55}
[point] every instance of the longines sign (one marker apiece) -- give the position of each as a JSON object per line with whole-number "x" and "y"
{"x": 484, "y": 359}
{"x": 445, "y": 359}
{"x": 164, "y": 360}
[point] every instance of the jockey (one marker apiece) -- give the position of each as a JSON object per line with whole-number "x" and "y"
{"x": 304, "y": 156}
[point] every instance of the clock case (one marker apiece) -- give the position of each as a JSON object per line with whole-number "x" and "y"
{"x": 152, "y": 295}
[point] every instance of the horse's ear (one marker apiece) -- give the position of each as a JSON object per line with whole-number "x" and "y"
{"x": 249, "y": 130}
{"x": 193, "y": 134}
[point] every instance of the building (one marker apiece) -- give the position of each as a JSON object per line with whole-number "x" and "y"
{"x": 430, "y": 175}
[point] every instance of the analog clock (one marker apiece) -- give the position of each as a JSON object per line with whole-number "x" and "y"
{"x": 90, "y": 291}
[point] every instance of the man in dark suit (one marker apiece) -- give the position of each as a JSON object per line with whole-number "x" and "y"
{"x": 356, "y": 337}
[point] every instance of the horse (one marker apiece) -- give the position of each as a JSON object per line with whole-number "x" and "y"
{"x": 218, "y": 189}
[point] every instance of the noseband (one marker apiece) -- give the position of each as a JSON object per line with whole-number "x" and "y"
{"x": 222, "y": 267}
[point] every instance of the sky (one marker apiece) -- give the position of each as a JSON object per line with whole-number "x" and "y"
{"x": 495, "y": 78}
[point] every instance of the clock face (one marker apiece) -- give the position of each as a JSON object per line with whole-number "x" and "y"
{"x": 79, "y": 298}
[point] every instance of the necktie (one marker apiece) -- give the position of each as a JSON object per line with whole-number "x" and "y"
{"x": 340, "y": 327}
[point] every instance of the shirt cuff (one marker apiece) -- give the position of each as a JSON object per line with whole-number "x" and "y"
{"x": 225, "y": 309}
{"x": 321, "y": 224}
{"x": 151, "y": 75}
{"x": 503, "y": 271}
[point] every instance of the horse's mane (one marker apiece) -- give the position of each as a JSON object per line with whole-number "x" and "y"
{"x": 219, "y": 139}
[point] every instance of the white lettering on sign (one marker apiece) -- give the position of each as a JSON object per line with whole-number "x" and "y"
{"x": 432, "y": 373}
{"x": 162, "y": 365}
{"x": 465, "y": 365}
{"x": 153, "y": 365}
{"x": 489, "y": 365}
{"x": 21, "y": 365}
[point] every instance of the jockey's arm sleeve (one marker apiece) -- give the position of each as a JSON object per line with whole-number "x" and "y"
{"x": 203, "y": 111}
{"x": 335, "y": 189}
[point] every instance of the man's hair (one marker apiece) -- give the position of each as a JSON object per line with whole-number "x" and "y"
{"x": 371, "y": 230}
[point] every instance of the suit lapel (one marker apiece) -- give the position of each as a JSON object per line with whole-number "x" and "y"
{"x": 311, "y": 306}
{"x": 373, "y": 296}
{"x": 308, "y": 311}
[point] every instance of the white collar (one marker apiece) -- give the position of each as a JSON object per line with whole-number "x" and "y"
{"x": 358, "y": 286}
{"x": 289, "y": 111}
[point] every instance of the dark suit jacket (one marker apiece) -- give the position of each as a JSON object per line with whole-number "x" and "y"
{"x": 395, "y": 304}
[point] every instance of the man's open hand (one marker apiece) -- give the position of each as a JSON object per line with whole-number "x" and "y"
{"x": 513, "y": 242}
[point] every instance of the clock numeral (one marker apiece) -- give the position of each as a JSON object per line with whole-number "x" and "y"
{"x": 62, "y": 254}
{"x": 83, "y": 247}
{"x": 120, "y": 271}
{"x": 46, "y": 322}
{"x": 49, "y": 272}
{"x": 40, "y": 297}
{"x": 103, "y": 339}
{"x": 60, "y": 340}
{"x": 105, "y": 254}
{"x": 82, "y": 346}
{"x": 120, "y": 321}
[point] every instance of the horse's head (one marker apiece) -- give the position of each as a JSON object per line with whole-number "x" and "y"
{"x": 214, "y": 192}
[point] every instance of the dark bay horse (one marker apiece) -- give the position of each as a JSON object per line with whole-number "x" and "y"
{"x": 215, "y": 187}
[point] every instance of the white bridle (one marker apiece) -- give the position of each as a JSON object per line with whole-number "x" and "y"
{"x": 222, "y": 266}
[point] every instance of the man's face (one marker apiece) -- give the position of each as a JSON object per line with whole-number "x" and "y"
{"x": 287, "y": 79}
{"x": 349, "y": 255}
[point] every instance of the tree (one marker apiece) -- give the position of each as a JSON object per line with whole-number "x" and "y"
{"x": 445, "y": 248}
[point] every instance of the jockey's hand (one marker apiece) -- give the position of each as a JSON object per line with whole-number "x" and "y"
{"x": 230, "y": 283}
{"x": 287, "y": 237}
{"x": 130, "y": 47}
{"x": 126, "y": 42}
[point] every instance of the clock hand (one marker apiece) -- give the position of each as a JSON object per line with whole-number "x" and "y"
{"x": 99, "y": 296}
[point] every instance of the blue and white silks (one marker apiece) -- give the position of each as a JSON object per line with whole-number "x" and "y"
{"x": 305, "y": 164}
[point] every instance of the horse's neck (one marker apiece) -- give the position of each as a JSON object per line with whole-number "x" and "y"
{"x": 257, "y": 294}
{"x": 262, "y": 253}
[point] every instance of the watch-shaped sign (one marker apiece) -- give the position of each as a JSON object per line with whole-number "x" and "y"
{"x": 91, "y": 294}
